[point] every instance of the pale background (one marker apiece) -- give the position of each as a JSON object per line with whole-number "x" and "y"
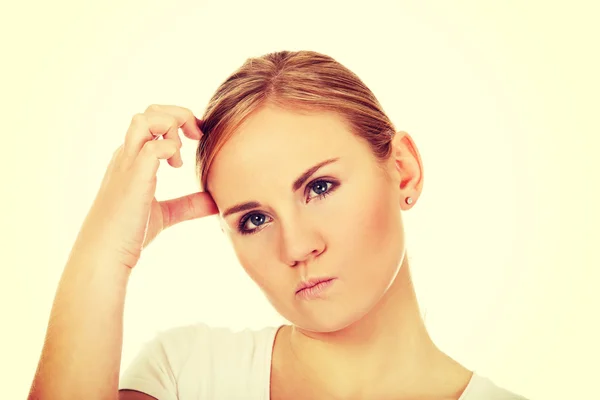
{"x": 501, "y": 98}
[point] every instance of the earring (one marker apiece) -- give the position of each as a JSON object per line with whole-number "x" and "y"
{"x": 409, "y": 200}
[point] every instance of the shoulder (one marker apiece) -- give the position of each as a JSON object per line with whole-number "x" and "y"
{"x": 483, "y": 388}
{"x": 211, "y": 338}
{"x": 199, "y": 360}
{"x": 216, "y": 341}
{"x": 203, "y": 344}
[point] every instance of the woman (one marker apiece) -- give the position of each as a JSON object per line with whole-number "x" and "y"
{"x": 309, "y": 179}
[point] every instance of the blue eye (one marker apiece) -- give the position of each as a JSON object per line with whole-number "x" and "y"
{"x": 256, "y": 219}
{"x": 320, "y": 187}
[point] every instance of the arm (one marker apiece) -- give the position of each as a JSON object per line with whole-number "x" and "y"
{"x": 82, "y": 351}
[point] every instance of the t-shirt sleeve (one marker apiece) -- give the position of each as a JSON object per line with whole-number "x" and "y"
{"x": 483, "y": 388}
{"x": 156, "y": 367}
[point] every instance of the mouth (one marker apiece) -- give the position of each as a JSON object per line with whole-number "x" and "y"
{"x": 314, "y": 288}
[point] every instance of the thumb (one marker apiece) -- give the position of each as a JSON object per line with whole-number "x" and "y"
{"x": 192, "y": 206}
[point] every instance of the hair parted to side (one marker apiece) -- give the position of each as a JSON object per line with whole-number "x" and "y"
{"x": 297, "y": 81}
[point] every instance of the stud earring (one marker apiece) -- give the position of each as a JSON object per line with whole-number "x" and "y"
{"x": 409, "y": 200}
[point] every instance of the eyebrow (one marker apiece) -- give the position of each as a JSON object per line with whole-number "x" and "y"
{"x": 295, "y": 186}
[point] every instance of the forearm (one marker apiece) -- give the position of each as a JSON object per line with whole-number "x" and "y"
{"x": 82, "y": 352}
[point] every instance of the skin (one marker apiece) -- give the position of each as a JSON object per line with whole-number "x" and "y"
{"x": 375, "y": 346}
{"x": 81, "y": 354}
{"x": 365, "y": 333}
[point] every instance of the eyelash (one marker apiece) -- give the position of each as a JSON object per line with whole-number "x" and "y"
{"x": 311, "y": 185}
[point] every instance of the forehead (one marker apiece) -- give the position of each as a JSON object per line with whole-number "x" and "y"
{"x": 277, "y": 130}
{"x": 274, "y": 145}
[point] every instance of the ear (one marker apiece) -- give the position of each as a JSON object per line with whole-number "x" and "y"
{"x": 408, "y": 164}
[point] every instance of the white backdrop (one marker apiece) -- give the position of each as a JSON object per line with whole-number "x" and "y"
{"x": 501, "y": 98}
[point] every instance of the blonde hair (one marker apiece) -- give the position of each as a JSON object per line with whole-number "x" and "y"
{"x": 298, "y": 81}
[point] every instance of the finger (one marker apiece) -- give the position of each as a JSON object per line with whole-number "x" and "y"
{"x": 196, "y": 205}
{"x": 172, "y": 133}
{"x": 143, "y": 128}
{"x": 148, "y": 160}
{"x": 187, "y": 121}
{"x": 160, "y": 120}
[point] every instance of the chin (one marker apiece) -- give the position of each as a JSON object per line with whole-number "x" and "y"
{"x": 330, "y": 325}
{"x": 348, "y": 304}
{"x": 332, "y": 315}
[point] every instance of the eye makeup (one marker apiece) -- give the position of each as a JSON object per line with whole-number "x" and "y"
{"x": 323, "y": 187}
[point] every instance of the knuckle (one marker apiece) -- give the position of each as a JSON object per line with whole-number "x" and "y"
{"x": 138, "y": 119}
{"x": 172, "y": 144}
{"x": 158, "y": 148}
{"x": 117, "y": 155}
{"x": 174, "y": 125}
{"x": 188, "y": 113}
{"x": 149, "y": 147}
{"x": 191, "y": 206}
{"x": 175, "y": 145}
{"x": 153, "y": 108}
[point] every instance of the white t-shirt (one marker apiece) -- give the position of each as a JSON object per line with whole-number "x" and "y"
{"x": 198, "y": 362}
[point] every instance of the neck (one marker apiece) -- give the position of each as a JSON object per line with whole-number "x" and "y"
{"x": 387, "y": 354}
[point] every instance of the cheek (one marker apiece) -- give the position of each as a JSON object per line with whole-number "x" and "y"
{"x": 369, "y": 230}
{"x": 258, "y": 263}
{"x": 247, "y": 256}
{"x": 271, "y": 278}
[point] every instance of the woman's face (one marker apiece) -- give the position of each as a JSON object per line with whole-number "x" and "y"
{"x": 339, "y": 221}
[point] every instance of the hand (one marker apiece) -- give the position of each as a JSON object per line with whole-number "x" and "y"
{"x": 125, "y": 216}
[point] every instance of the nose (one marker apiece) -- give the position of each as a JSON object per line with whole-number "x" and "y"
{"x": 301, "y": 241}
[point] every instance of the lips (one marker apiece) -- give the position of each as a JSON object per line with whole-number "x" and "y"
{"x": 307, "y": 284}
